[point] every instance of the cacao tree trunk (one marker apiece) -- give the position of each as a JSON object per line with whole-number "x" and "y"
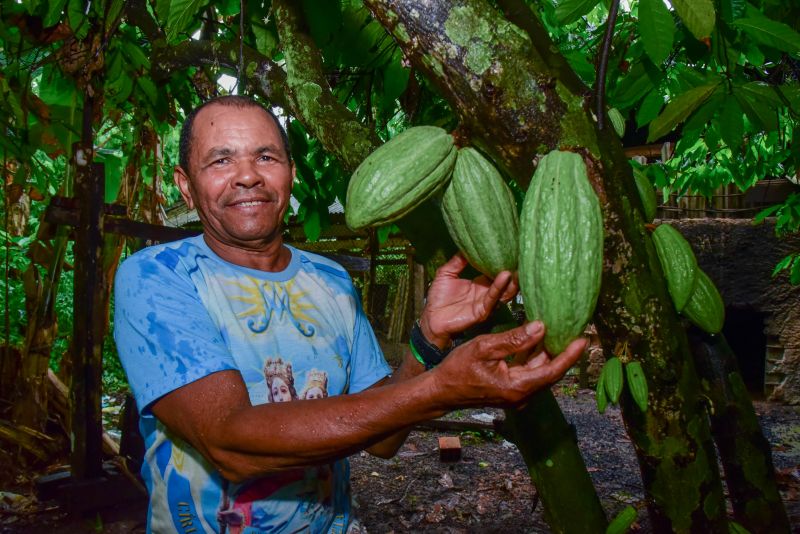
{"x": 550, "y": 460}
{"x": 516, "y": 98}
{"x": 744, "y": 452}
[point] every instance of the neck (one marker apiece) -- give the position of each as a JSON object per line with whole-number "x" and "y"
{"x": 271, "y": 256}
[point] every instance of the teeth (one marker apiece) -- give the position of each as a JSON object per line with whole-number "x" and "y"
{"x": 253, "y": 203}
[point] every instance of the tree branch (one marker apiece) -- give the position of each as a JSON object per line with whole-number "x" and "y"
{"x": 336, "y": 127}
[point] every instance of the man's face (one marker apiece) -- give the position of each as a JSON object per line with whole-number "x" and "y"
{"x": 239, "y": 177}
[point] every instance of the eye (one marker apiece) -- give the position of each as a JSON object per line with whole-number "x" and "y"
{"x": 220, "y": 162}
{"x": 265, "y": 158}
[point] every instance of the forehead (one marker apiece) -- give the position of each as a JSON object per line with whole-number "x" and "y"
{"x": 219, "y": 124}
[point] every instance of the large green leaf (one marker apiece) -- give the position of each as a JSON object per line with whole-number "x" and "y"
{"x": 181, "y": 15}
{"x": 54, "y": 9}
{"x": 657, "y": 29}
{"x": 679, "y": 109}
{"x": 760, "y": 103}
{"x": 636, "y": 83}
{"x": 77, "y": 19}
{"x": 731, "y": 124}
{"x": 770, "y": 33}
{"x": 324, "y": 18}
{"x": 697, "y": 15}
{"x": 568, "y": 11}
{"x": 732, "y": 9}
{"x": 649, "y": 108}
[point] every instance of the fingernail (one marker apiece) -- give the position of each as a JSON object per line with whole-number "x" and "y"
{"x": 534, "y": 328}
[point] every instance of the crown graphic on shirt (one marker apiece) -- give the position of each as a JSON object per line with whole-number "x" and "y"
{"x": 315, "y": 377}
{"x": 278, "y": 368}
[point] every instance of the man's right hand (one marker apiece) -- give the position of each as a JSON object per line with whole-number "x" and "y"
{"x": 501, "y": 369}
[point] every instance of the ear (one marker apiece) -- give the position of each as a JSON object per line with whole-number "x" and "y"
{"x": 182, "y": 181}
{"x": 294, "y": 175}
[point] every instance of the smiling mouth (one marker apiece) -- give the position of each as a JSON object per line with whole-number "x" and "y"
{"x": 250, "y": 203}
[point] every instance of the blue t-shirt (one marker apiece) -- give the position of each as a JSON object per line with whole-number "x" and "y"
{"x": 182, "y": 313}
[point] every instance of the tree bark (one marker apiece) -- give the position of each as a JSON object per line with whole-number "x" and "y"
{"x": 744, "y": 452}
{"x": 516, "y": 99}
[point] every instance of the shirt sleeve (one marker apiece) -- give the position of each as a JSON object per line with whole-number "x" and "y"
{"x": 164, "y": 335}
{"x": 367, "y": 364}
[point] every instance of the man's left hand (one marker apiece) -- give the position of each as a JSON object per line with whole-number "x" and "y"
{"x": 455, "y": 304}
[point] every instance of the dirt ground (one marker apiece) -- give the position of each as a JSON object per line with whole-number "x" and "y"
{"x": 487, "y": 490}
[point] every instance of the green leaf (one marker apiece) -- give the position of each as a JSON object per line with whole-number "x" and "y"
{"x": 708, "y": 109}
{"x": 679, "y": 109}
{"x": 732, "y": 9}
{"x": 770, "y": 33}
{"x": 77, "y": 19}
{"x": 135, "y": 55}
{"x": 783, "y": 264}
{"x": 148, "y": 88}
{"x": 656, "y": 28}
{"x": 731, "y": 125}
{"x": 181, "y": 15}
{"x": 324, "y": 19}
{"x": 568, "y": 11}
{"x": 649, "y": 108}
{"x": 794, "y": 278}
{"x": 226, "y": 8}
{"x": 266, "y": 40}
{"x": 760, "y": 103}
{"x": 54, "y": 11}
{"x": 637, "y": 82}
{"x": 697, "y": 15}
{"x": 311, "y": 224}
{"x": 395, "y": 77}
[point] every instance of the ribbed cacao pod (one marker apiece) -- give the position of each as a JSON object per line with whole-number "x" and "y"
{"x": 705, "y": 307}
{"x": 617, "y": 121}
{"x": 560, "y": 248}
{"x": 481, "y": 214}
{"x": 646, "y": 193}
{"x": 600, "y": 392}
{"x": 678, "y": 262}
{"x": 637, "y": 384}
{"x": 612, "y": 378}
{"x": 398, "y": 176}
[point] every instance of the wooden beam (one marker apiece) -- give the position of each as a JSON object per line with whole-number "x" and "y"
{"x": 89, "y": 322}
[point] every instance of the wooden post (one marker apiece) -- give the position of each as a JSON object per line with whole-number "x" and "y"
{"x": 87, "y": 426}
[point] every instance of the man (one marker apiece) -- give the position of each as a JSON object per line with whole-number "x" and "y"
{"x": 216, "y": 331}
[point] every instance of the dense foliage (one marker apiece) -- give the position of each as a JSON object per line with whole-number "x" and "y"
{"x": 719, "y": 79}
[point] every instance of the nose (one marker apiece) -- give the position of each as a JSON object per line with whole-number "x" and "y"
{"x": 247, "y": 175}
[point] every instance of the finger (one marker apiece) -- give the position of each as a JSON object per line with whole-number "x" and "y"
{"x": 511, "y": 289}
{"x": 561, "y": 363}
{"x": 453, "y": 267}
{"x": 520, "y": 339}
{"x": 528, "y": 358}
{"x": 494, "y": 293}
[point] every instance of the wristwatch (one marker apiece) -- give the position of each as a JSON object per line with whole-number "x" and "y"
{"x": 423, "y": 350}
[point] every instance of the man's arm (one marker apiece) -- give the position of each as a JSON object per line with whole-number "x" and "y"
{"x": 214, "y": 413}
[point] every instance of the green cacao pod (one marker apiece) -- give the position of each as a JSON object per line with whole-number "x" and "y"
{"x": 637, "y": 384}
{"x": 622, "y": 523}
{"x": 612, "y": 371}
{"x": 678, "y": 262}
{"x": 600, "y": 393}
{"x": 705, "y": 307}
{"x": 646, "y": 193}
{"x": 560, "y": 248}
{"x": 617, "y": 121}
{"x": 398, "y": 176}
{"x": 481, "y": 214}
